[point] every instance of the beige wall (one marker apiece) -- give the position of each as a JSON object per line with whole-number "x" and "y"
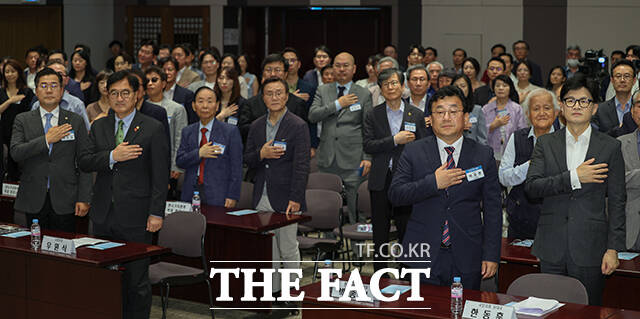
{"x": 610, "y": 25}
{"x": 474, "y": 25}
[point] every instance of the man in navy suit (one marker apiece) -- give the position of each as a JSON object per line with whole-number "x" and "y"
{"x": 210, "y": 152}
{"x": 278, "y": 149}
{"x": 452, "y": 183}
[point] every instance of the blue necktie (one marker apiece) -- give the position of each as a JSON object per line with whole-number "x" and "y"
{"x": 341, "y": 90}
{"x": 47, "y": 126}
{"x": 446, "y": 238}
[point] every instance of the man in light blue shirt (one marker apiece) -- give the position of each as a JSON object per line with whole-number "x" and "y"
{"x": 68, "y": 102}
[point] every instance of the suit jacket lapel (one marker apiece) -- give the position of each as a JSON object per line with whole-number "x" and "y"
{"x": 37, "y": 119}
{"x": 560, "y": 149}
{"x": 466, "y": 154}
{"x": 381, "y": 114}
{"x": 215, "y": 132}
{"x": 282, "y": 128}
{"x": 613, "y": 112}
{"x": 432, "y": 153}
{"x": 594, "y": 146}
{"x": 631, "y": 150}
{"x": 134, "y": 128}
{"x": 410, "y": 117}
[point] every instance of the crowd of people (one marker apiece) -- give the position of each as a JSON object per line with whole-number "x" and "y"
{"x": 444, "y": 149}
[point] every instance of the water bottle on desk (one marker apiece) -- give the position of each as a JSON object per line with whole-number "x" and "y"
{"x": 35, "y": 235}
{"x": 456, "y": 297}
{"x": 195, "y": 202}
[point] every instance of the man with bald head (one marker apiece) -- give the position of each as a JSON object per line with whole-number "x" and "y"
{"x": 341, "y": 107}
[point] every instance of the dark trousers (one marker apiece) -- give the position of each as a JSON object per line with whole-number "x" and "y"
{"x": 591, "y": 277}
{"x": 381, "y": 214}
{"x": 136, "y": 288}
{"x": 48, "y": 219}
{"x": 444, "y": 269}
{"x": 12, "y": 168}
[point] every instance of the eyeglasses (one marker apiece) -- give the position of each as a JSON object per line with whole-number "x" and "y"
{"x": 125, "y": 94}
{"x": 276, "y": 94}
{"x": 625, "y": 76}
{"x": 292, "y": 61}
{"x": 45, "y": 86}
{"x": 391, "y": 84}
{"x": 273, "y": 71}
{"x": 212, "y": 62}
{"x": 415, "y": 54}
{"x": 493, "y": 68}
{"x": 452, "y": 113}
{"x": 583, "y": 102}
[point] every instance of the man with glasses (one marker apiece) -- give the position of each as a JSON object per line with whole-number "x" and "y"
{"x": 387, "y": 129}
{"x": 46, "y": 142}
{"x": 278, "y": 150}
{"x": 126, "y": 149}
{"x": 610, "y": 113}
{"x": 274, "y": 65}
{"x": 630, "y": 152}
{"x": 341, "y": 106}
{"x": 452, "y": 183}
{"x": 68, "y": 102}
{"x": 416, "y": 55}
{"x": 579, "y": 174}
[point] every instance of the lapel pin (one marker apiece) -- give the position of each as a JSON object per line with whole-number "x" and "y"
{"x": 136, "y": 128}
{"x": 409, "y": 113}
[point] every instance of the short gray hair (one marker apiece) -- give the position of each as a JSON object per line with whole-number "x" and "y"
{"x": 435, "y": 63}
{"x": 573, "y": 47}
{"x": 387, "y": 74}
{"x": 418, "y": 67}
{"x": 538, "y": 92}
{"x": 386, "y": 59}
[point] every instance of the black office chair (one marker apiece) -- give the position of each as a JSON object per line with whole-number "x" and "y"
{"x": 183, "y": 232}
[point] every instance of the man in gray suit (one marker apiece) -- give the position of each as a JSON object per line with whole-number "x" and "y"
{"x": 631, "y": 152}
{"x": 341, "y": 107}
{"x": 610, "y": 113}
{"x": 576, "y": 170}
{"x": 46, "y": 143}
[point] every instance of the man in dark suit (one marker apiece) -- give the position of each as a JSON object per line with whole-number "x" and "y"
{"x": 579, "y": 173}
{"x": 341, "y": 107}
{"x": 274, "y": 65}
{"x": 210, "y": 152}
{"x": 278, "y": 149}
{"x": 125, "y": 148}
{"x": 387, "y": 129}
{"x": 609, "y": 116}
{"x": 452, "y": 183}
{"x": 521, "y": 53}
{"x": 46, "y": 142}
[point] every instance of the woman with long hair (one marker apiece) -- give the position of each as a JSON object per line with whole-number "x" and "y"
{"x": 82, "y": 72}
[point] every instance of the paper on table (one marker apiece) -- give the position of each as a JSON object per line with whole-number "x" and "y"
{"x": 627, "y": 255}
{"x": 391, "y": 289}
{"x": 17, "y": 234}
{"x": 523, "y": 243}
{"x": 106, "y": 245}
{"x": 79, "y": 242}
{"x": 243, "y": 212}
{"x": 537, "y": 307}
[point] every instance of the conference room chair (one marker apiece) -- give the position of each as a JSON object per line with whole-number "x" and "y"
{"x": 246, "y": 196}
{"x": 183, "y": 232}
{"x": 551, "y": 286}
{"x": 325, "y": 208}
{"x": 313, "y": 164}
{"x": 351, "y": 233}
{"x": 328, "y": 181}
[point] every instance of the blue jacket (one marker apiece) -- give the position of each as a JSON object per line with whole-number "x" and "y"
{"x": 473, "y": 209}
{"x": 222, "y": 175}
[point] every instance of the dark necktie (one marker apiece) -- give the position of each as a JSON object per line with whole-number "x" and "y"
{"x": 203, "y": 141}
{"x": 446, "y": 238}
{"x": 341, "y": 91}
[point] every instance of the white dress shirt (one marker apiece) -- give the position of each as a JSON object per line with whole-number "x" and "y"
{"x": 457, "y": 145}
{"x": 168, "y": 94}
{"x": 509, "y": 175}
{"x": 576, "y": 153}
{"x": 54, "y": 118}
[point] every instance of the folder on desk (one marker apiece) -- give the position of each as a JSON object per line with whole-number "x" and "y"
{"x": 242, "y": 212}
{"x": 536, "y": 307}
{"x": 84, "y": 241}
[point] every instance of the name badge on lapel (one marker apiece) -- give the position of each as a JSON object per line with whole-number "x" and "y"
{"x": 222, "y": 147}
{"x": 70, "y": 137}
{"x": 232, "y": 120}
{"x": 281, "y": 144}
{"x": 411, "y": 127}
{"x": 473, "y": 119}
{"x": 474, "y": 173}
{"x": 355, "y": 107}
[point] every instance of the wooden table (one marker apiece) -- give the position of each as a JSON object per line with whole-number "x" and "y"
{"x": 438, "y": 299}
{"x": 621, "y": 288}
{"x": 39, "y": 284}
{"x": 236, "y": 238}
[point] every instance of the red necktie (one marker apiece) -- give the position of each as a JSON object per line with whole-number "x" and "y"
{"x": 203, "y": 141}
